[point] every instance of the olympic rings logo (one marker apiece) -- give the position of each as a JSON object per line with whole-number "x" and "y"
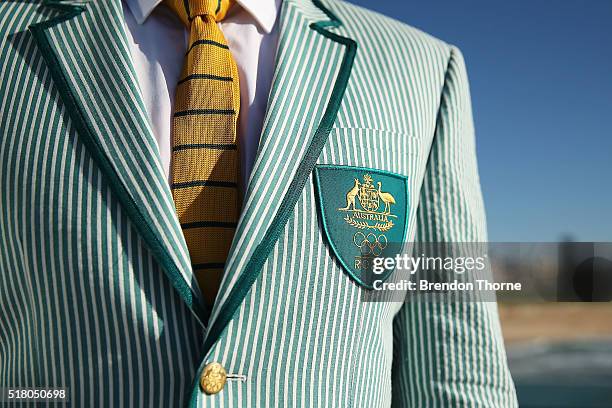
{"x": 370, "y": 244}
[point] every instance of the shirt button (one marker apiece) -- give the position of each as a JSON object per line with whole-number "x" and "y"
{"x": 213, "y": 378}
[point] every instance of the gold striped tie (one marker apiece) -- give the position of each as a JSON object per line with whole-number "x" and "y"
{"x": 204, "y": 149}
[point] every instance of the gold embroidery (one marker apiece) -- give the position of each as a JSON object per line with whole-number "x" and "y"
{"x": 366, "y": 214}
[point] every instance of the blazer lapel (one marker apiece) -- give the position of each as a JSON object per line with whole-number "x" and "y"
{"x": 313, "y": 65}
{"x": 87, "y": 55}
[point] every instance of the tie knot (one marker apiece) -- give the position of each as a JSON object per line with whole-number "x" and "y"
{"x": 188, "y": 9}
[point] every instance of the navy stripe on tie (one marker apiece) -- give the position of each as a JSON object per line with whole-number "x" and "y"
{"x": 214, "y": 146}
{"x": 209, "y": 265}
{"x": 207, "y": 183}
{"x": 204, "y": 224}
{"x": 205, "y": 112}
{"x": 205, "y": 76}
{"x": 207, "y": 42}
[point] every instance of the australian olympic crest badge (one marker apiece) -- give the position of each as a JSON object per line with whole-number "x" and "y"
{"x": 364, "y": 215}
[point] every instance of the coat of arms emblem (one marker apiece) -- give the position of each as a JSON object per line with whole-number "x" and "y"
{"x": 364, "y": 215}
{"x": 363, "y": 202}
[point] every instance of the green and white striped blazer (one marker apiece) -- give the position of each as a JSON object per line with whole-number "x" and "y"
{"x": 96, "y": 288}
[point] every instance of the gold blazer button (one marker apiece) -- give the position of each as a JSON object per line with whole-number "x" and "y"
{"x": 213, "y": 378}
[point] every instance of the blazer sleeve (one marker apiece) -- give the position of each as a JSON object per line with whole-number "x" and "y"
{"x": 451, "y": 354}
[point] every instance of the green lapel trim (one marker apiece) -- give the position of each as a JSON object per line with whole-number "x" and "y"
{"x": 260, "y": 254}
{"x": 140, "y": 216}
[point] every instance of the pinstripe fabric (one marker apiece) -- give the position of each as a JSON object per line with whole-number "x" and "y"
{"x": 83, "y": 303}
{"x": 88, "y": 299}
{"x": 82, "y": 53}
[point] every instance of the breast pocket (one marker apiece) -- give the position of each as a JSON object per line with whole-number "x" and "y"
{"x": 395, "y": 152}
{"x": 363, "y": 187}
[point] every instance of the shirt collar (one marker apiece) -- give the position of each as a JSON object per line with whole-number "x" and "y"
{"x": 263, "y": 11}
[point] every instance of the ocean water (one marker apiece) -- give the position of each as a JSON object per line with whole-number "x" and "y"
{"x": 563, "y": 375}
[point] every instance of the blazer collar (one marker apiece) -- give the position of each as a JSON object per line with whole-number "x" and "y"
{"x": 86, "y": 51}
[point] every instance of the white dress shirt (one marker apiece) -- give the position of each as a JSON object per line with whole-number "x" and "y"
{"x": 158, "y": 41}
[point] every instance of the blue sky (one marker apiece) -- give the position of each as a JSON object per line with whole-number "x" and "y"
{"x": 541, "y": 78}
